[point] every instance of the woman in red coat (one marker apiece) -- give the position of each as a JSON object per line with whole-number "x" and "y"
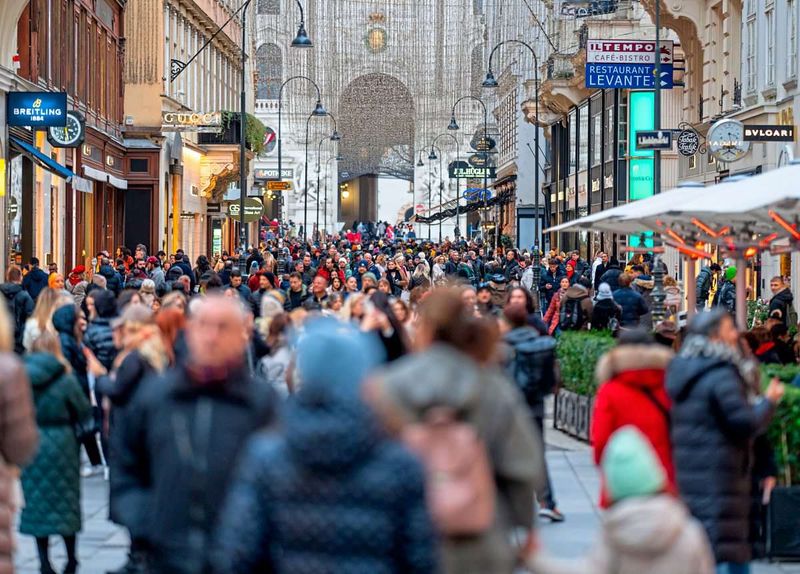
{"x": 631, "y": 392}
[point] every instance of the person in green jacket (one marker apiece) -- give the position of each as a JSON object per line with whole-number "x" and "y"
{"x": 51, "y": 483}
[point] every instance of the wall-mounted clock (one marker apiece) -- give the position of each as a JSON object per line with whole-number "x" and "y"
{"x": 70, "y": 135}
{"x": 726, "y": 141}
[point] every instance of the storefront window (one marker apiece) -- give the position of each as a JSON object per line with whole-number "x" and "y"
{"x": 610, "y": 134}
{"x": 597, "y": 139}
{"x": 573, "y": 137}
{"x": 584, "y": 137}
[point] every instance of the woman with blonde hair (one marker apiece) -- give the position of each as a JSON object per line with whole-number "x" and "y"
{"x": 48, "y": 302}
{"x": 51, "y": 483}
{"x": 143, "y": 354}
{"x": 353, "y": 308}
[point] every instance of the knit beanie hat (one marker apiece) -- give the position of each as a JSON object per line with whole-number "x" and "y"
{"x": 631, "y": 467}
{"x": 730, "y": 273}
{"x": 604, "y": 292}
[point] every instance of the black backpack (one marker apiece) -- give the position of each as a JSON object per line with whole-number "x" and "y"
{"x": 571, "y": 315}
{"x": 533, "y": 367}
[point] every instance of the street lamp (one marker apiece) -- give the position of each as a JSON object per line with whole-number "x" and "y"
{"x": 319, "y": 111}
{"x": 305, "y": 191}
{"x": 334, "y": 137}
{"x": 454, "y": 126}
{"x": 491, "y": 82}
{"x": 441, "y": 182}
{"x": 302, "y": 40}
{"x": 432, "y": 157}
{"x": 338, "y": 158}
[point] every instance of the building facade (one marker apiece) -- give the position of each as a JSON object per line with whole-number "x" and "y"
{"x": 183, "y": 169}
{"x": 59, "y": 221}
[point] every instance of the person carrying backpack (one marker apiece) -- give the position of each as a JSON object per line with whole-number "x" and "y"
{"x": 531, "y": 365}
{"x": 484, "y": 418}
{"x": 575, "y": 312}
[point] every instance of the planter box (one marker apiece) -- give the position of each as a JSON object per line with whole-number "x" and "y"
{"x": 783, "y": 536}
{"x": 573, "y": 414}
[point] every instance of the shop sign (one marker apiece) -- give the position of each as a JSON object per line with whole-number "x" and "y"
{"x": 213, "y": 208}
{"x": 3, "y": 178}
{"x": 13, "y": 208}
{"x": 253, "y": 209}
{"x": 482, "y": 143}
{"x": 419, "y": 209}
{"x": 654, "y": 139}
{"x": 279, "y": 185}
{"x": 641, "y": 108}
{"x": 608, "y": 182}
{"x": 270, "y": 140}
{"x": 272, "y": 173}
{"x": 587, "y": 8}
{"x": 595, "y": 185}
{"x": 477, "y": 194}
{"x": 462, "y": 170}
{"x": 205, "y": 122}
{"x": 479, "y": 160}
{"x": 628, "y": 64}
{"x": 688, "y": 143}
{"x": 769, "y": 133}
{"x": 36, "y": 109}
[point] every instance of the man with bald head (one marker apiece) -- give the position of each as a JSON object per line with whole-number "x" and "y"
{"x": 182, "y": 436}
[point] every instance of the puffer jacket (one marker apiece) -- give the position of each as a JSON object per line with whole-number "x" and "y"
{"x": 653, "y": 534}
{"x": 632, "y": 392}
{"x": 713, "y": 425}
{"x": 704, "y": 284}
{"x": 497, "y": 410}
{"x": 100, "y": 340}
{"x": 331, "y": 494}
{"x": 644, "y": 285}
{"x": 633, "y": 306}
{"x": 18, "y": 442}
{"x": 51, "y": 483}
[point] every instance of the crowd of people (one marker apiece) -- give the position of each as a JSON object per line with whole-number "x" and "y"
{"x": 366, "y": 407}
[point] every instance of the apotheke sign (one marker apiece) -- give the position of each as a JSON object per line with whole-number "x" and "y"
{"x": 191, "y": 122}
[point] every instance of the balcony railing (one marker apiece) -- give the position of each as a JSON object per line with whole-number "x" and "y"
{"x": 267, "y": 106}
{"x": 560, "y": 67}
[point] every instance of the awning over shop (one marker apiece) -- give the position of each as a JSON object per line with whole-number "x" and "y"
{"x": 99, "y": 175}
{"x": 42, "y": 160}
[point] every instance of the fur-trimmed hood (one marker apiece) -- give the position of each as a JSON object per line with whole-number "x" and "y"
{"x": 632, "y": 358}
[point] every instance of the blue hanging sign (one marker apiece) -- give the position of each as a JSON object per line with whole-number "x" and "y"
{"x": 477, "y": 194}
{"x": 36, "y": 109}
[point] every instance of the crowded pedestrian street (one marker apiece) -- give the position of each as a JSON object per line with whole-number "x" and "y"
{"x": 399, "y": 287}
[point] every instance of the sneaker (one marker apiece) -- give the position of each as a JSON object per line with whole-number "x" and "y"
{"x": 553, "y": 514}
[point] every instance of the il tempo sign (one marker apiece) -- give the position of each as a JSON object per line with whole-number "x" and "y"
{"x": 36, "y": 109}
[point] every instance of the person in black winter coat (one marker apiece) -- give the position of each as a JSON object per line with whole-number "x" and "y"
{"x": 35, "y": 280}
{"x": 181, "y": 438}
{"x": 19, "y": 302}
{"x": 113, "y": 279}
{"x": 632, "y": 303}
{"x": 601, "y": 269}
{"x": 237, "y": 284}
{"x": 611, "y": 275}
{"x": 331, "y": 492}
{"x": 726, "y": 293}
{"x": 782, "y": 299}
{"x": 704, "y": 282}
{"x": 98, "y": 336}
{"x": 605, "y": 309}
{"x": 65, "y": 321}
{"x": 713, "y": 425}
{"x": 548, "y": 282}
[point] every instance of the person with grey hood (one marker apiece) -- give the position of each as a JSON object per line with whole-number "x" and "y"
{"x": 452, "y": 370}
{"x": 714, "y": 423}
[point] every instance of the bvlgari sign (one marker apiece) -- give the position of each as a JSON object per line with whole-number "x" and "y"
{"x": 191, "y": 122}
{"x": 768, "y": 133}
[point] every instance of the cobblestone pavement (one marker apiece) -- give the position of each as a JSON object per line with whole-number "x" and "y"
{"x": 102, "y": 545}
